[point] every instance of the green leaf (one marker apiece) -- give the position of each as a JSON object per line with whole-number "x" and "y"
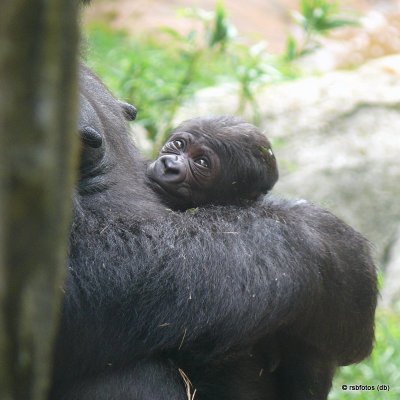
{"x": 330, "y": 24}
{"x": 172, "y": 33}
{"x": 219, "y": 33}
{"x": 291, "y": 49}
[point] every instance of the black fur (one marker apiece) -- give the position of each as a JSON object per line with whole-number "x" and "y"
{"x": 151, "y": 290}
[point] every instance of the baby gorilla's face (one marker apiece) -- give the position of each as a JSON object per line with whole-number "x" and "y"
{"x": 185, "y": 171}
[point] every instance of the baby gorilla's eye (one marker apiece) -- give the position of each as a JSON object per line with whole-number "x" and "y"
{"x": 202, "y": 161}
{"x": 179, "y": 144}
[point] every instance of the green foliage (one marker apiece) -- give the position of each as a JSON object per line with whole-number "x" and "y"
{"x": 321, "y": 16}
{"x": 166, "y": 72}
{"x": 381, "y": 368}
{"x": 253, "y": 68}
{"x": 148, "y": 72}
{"x": 219, "y": 35}
{"x": 166, "y": 68}
{"x": 316, "y": 18}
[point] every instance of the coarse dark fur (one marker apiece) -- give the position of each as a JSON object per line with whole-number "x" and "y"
{"x": 213, "y": 160}
{"x": 151, "y": 290}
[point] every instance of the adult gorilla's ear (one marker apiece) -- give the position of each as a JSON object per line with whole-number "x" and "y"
{"x": 128, "y": 110}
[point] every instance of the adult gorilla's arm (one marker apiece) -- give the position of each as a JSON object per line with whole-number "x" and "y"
{"x": 144, "y": 280}
{"x": 224, "y": 276}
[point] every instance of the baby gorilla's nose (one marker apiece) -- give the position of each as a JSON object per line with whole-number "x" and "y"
{"x": 174, "y": 168}
{"x": 171, "y": 164}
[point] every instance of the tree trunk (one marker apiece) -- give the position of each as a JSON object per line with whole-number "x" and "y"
{"x": 38, "y": 46}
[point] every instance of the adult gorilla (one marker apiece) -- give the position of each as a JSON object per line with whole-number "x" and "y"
{"x": 150, "y": 290}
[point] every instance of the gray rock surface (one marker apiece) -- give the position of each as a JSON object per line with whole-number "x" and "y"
{"x": 337, "y": 141}
{"x": 390, "y": 291}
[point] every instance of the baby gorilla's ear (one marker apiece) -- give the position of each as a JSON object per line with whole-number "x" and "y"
{"x": 272, "y": 174}
{"x": 91, "y": 137}
{"x": 129, "y": 110}
{"x": 266, "y": 153}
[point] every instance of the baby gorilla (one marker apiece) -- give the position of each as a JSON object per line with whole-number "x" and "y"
{"x": 213, "y": 160}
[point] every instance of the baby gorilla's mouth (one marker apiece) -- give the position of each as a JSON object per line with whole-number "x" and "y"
{"x": 170, "y": 189}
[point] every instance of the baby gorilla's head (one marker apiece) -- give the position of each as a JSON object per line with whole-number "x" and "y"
{"x": 213, "y": 160}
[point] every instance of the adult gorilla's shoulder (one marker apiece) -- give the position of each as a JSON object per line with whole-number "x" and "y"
{"x": 150, "y": 290}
